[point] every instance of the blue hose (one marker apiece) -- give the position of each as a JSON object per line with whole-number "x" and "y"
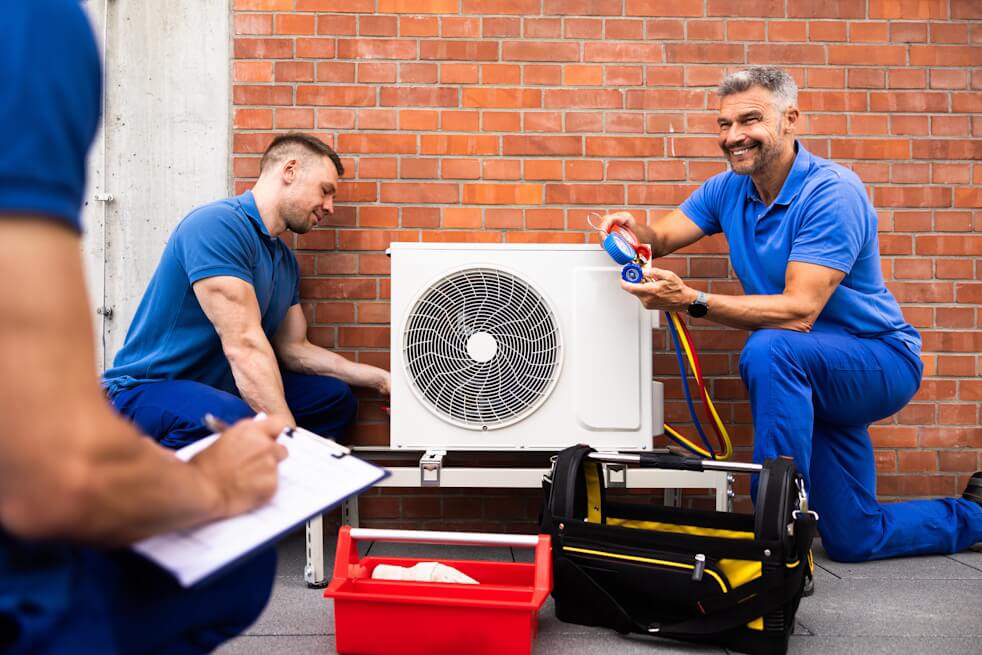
{"x": 685, "y": 388}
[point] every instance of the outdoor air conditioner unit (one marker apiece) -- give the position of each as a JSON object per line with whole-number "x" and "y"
{"x": 503, "y": 347}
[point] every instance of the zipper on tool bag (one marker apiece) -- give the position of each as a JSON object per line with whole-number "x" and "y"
{"x": 699, "y": 567}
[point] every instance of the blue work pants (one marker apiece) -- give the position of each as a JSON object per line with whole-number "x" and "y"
{"x": 117, "y": 603}
{"x": 813, "y": 397}
{"x": 172, "y": 411}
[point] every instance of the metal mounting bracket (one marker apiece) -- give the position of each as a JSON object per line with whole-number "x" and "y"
{"x": 430, "y": 465}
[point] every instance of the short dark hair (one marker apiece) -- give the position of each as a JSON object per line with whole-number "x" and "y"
{"x": 292, "y": 144}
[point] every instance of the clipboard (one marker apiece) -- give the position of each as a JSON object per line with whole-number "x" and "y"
{"x": 317, "y": 475}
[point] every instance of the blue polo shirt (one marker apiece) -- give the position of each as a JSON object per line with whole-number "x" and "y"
{"x": 50, "y": 100}
{"x": 170, "y": 337}
{"x": 822, "y": 216}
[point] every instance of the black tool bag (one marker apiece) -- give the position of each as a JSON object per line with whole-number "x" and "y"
{"x": 722, "y": 578}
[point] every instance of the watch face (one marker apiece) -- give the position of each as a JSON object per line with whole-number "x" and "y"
{"x": 698, "y": 309}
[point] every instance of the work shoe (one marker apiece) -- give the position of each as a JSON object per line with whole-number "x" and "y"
{"x": 973, "y": 490}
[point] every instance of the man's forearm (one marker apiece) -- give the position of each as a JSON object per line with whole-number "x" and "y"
{"x": 778, "y": 311}
{"x": 257, "y": 375}
{"x": 313, "y": 360}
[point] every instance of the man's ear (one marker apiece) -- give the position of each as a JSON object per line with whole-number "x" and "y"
{"x": 291, "y": 169}
{"x": 791, "y": 115}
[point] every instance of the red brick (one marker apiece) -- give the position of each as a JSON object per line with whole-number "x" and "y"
{"x": 419, "y": 96}
{"x": 583, "y": 98}
{"x": 585, "y": 194}
{"x": 501, "y": 121}
{"x": 443, "y": 144}
{"x": 263, "y": 5}
{"x": 520, "y": 7}
{"x": 419, "y": 168}
{"x": 832, "y": 101}
{"x": 503, "y": 194}
{"x": 501, "y": 27}
{"x": 866, "y": 55}
{"x": 623, "y": 29}
{"x": 867, "y": 78}
{"x": 340, "y": 6}
{"x": 295, "y": 24}
{"x": 294, "y": 118}
{"x": 704, "y": 53}
{"x": 908, "y": 32}
{"x": 624, "y": 75}
{"x": 419, "y": 193}
{"x": 542, "y": 145}
{"x": 252, "y": 71}
{"x": 542, "y": 28}
{"x": 795, "y": 31}
{"x": 263, "y": 48}
{"x": 377, "y": 119}
{"x": 316, "y": 48}
{"x": 958, "y": 461}
{"x": 460, "y": 27}
{"x": 745, "y": 30}
{"x": 827, "y": 31}
{"x": 825, "y": 9}
{"x": 662, "y": 8}
{"x": 665, "y": 99}
{"x": 658, "y": 194}
{"x": 330, "y": 71}
{"x": 423, "y": 217}
{"x": 912, "y": 197}
{"x": 906, "y": 78}
{"x": 419, "y": 26}
{"x": 415, "y": 7}
{"x": 462, "y": 217}
{"x": 582, "y": 7}
{"x": 262, "y": 95}
{"x": 625, "y": 146}
{"x": 335, "y": 119}
{"x": 966, "y": 9}
{"x": 869, "y": 32}
{"x": 418, "y": 73}
{"x": 294, "y": 71}
{"x": 458, "y": 73}
{"x": 502, "y": 97}
{"x": 870, "y": 149}
{"x": 908, "y": 9}
{"x": 375, "y": 48}
{"x": 540, "y": 51}
{"x": 544, "y": 219}
{"x": 543, "y": 169}
{"x": 337, "y": 24}
{"x": 583, "y": 28}
{"x": 948, "y": 149}
{"x": 395, "y": 143}
{"x": 253, "y": 24}
{"x": 460, "y": 121}
{"x": 921, "y": 55}
{"x": 459, "y": 50}
{"x": 917, "y": 460}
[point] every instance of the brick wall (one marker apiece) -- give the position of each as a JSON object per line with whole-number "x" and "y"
{"x": 511, "y": 120}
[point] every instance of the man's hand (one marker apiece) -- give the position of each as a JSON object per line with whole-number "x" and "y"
{"x": 240, "y": 468}
{"x": 384, "y": 384}
{"x": 662, "y": 290}
{"x": 641, "y": 230}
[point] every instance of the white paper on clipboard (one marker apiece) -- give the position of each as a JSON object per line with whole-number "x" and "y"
{"x": 316, "y": 475}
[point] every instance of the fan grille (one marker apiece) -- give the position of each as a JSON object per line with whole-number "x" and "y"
{"x": 482, "y": 348}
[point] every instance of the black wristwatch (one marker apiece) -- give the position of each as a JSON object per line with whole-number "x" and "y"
{"x": 698, "y": 307}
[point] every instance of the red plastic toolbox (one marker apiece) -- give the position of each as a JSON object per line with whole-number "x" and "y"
{"x": 498, "y": 616}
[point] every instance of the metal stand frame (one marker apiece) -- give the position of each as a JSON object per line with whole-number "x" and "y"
{"x": 431, "y": 473}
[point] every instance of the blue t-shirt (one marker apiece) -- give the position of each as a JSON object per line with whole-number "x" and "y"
{"x": 50, "y": 99}
{"x": 171, "y": 338}
{"x": 822, "y": 216}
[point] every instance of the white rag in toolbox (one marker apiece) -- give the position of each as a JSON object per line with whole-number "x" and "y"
{"x": 422, "y": 572}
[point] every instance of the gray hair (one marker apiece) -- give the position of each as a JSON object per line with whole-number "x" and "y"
{"x": 771, "y": 78}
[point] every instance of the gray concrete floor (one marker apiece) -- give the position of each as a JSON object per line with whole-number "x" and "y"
{"x": 915, "y": 606}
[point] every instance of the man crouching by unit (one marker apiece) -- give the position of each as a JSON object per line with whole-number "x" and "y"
{"x": 830, "y": 351}
{"x": 220, "y": 329}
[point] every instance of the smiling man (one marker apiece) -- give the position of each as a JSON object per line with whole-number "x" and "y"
{"x": 830, "y": 351}
{"x": 220, "y": 329}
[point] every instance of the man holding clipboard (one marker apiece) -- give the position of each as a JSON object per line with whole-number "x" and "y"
{"x": 76, "y": 481}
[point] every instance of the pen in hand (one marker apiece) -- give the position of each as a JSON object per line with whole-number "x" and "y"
{"x": 215, "y": 424}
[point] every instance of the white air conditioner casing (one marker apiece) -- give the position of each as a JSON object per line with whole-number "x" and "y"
{"x": 515, "y": 346}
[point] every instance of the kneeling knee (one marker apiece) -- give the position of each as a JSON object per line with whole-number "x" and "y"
{"x": 761, "y": 349}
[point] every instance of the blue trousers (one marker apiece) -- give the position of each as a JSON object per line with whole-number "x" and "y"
{"x": 172, "y": 412}
{"x": 813, "y": 397}
{"x": 116, "y": 602}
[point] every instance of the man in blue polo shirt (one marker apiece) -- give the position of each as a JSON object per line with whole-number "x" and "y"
{"x": 220, "y": 329}
{"x": 76, "y": 481}
{"x": 830, "y": 351}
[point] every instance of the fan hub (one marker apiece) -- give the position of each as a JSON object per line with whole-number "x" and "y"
{"x": 482, "y": 347}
